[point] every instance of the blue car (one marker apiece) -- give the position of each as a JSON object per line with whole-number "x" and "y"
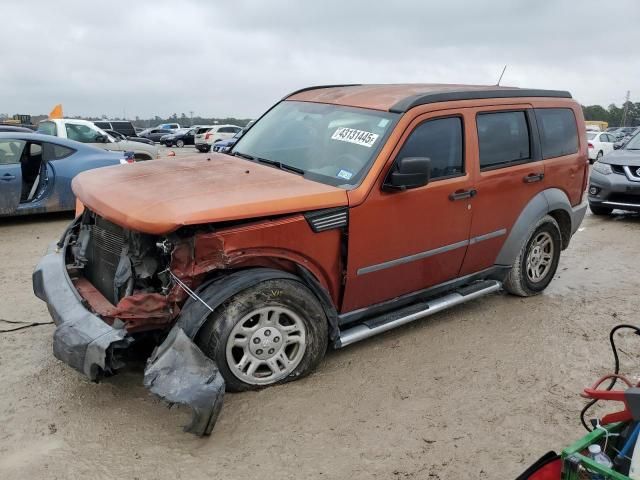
{"x": 36, "y": 171}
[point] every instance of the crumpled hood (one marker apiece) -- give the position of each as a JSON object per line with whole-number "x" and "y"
{"x": 623, "y": 157}
{"x": 159, "y": 196}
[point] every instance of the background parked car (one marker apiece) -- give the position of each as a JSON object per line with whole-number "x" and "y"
{"x": 120, "y": 136}
{"x": 36, "y": 171}
{"x": 599, "y": 144}
{"x": 224, "y": 146}
{"x": 155, "y": 134}
{"x": 84, "y": 131}
{"x": 169, "y": 126}
{"x": 614, "y": 182}
{"x": 14, "y": 128}
{"x": 215, "y": 134}
{"x": 180, "y": 138}
{"x": 125, "y": 128}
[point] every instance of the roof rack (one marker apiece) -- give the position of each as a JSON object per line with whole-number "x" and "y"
{"x": 435, "y": 97}
{"x": 317, "y": 87}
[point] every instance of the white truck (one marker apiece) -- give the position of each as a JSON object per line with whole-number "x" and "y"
{"x": 84, "y": 131}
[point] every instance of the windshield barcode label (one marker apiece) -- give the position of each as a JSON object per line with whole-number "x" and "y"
{"x": 351, "y": 135}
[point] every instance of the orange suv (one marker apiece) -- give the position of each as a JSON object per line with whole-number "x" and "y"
{"x": 343, "y": 212}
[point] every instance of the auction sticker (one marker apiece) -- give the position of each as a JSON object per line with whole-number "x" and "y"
{"x": 351, "y": 135}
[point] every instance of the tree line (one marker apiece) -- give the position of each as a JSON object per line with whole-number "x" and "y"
{"x": 613, "y": 114}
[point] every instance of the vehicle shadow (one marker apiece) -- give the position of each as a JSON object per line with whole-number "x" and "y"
{"x": 36, "y": 218}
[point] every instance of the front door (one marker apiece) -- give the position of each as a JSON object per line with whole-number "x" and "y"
{"x": 511, "y": 173}
{"x": 10, "y": 174}
{"x": 405, "y": 241}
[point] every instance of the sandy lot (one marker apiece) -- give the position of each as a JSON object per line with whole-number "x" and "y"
{"x": 477, "y": 392}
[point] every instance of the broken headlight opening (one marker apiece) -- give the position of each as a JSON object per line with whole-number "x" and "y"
{"x": 129, "y": 293}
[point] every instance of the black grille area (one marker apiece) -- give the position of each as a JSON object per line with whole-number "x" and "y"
{"x": 625, "y": 198}
{"x": 105, "y": 247}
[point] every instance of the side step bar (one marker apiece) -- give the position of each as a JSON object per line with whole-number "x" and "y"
{"x": 391, "y": 320}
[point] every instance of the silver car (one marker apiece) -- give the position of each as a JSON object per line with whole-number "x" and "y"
{"x": 614, "y": 182}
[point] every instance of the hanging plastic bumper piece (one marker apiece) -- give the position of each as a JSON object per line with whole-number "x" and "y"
{"x": 178, "y": 372}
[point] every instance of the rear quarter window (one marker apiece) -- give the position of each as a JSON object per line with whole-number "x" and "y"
{"x": 558, "y": 131}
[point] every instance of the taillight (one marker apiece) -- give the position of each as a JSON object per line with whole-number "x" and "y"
{"x": 590, "y": 145}
{"x": 207, "y": 136}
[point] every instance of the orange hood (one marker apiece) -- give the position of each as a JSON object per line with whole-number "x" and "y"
{"x": 159, "y": 196}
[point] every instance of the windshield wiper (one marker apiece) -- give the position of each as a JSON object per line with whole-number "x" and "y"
{"x": 243, "y": 155}
{"x": 281, "y": 166}
{"x": 274, "y": 163}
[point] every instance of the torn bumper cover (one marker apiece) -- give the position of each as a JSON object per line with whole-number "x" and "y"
{"x": 178, "y": 371}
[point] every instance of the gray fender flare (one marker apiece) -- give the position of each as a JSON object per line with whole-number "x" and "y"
{"x": 540, "y": 205}
{"x": 215, "y": 292}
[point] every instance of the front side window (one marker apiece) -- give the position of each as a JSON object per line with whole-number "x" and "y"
{"x": 330, "y": 144}
{"x": 441, "y": 141}
{"x": 11, "y": 151}
{"x": 503, "y": 139}
{"x": 558, "y": 131}
{"x": 81, "y": 133}
{"x": 48, "y": 128}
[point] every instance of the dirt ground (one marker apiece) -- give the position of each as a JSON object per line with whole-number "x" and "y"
{"x": 477, "y": 392}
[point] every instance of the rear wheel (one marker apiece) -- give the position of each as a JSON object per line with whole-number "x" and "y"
{"x": 272, "y": 333}
{"x": 596, "y": 210}
{"x": 599, "y": 156}
{"x": 537, "y": 262}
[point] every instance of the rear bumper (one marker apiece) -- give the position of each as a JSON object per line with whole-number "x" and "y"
{"x": 81, "y": 339}
{"x": 577, "y": 215}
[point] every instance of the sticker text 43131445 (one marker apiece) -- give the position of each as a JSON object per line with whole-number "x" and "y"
{"x": 351, "y": 135}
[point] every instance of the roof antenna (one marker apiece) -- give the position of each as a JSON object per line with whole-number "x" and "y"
{"x": 503, "y": 70}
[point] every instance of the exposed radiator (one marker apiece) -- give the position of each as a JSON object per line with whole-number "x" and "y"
{"x": 105, "y": 247}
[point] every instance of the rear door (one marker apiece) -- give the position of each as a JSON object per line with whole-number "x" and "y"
{"x": 511, "y": 172}
{"x": 10, "y": 174}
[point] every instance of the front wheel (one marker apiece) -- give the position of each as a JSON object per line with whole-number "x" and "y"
{"x": 180, "y": 143}
{"x": 271, "y": 333}
{"x": 537, "y": 262}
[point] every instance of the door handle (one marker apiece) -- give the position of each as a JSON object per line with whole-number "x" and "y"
{"x": 462, "y": 194}
{"x": 7, "y": 177}
{"x": 533, "y": 177}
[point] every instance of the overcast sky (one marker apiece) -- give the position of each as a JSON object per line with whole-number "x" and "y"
{"x": 236, "y": 58}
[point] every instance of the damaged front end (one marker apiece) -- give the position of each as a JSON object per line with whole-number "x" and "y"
{"x": 106, "y": 288}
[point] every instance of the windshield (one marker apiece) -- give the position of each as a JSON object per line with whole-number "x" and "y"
{"x": 633, "y": 144}
{"x": 591, "y": 136}
{"x": 328, "y": 143}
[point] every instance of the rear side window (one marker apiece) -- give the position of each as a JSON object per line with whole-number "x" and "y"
{"x": 558, "y": 131}
{"x": 55, "y": 152}
{"x": 503, "y": 138}
{"x": 441, "y": 141}
{"x": 126, "y": 128}
{"x": 103, "y": 125}
{"x": 48, "y": 128}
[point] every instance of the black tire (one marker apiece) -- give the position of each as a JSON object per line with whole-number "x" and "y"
{"x": 518, "y": 281}
{"x": 290, "y": 294}
{"x": 596, "y": 210}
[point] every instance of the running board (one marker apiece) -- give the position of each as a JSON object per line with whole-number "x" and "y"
{"x": 405, "y": 315}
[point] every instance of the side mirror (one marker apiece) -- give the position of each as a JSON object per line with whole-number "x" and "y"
{"x": 408, "y": 172}
{"x": 617, "y": 146}
{"x": 101, "y": 138}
